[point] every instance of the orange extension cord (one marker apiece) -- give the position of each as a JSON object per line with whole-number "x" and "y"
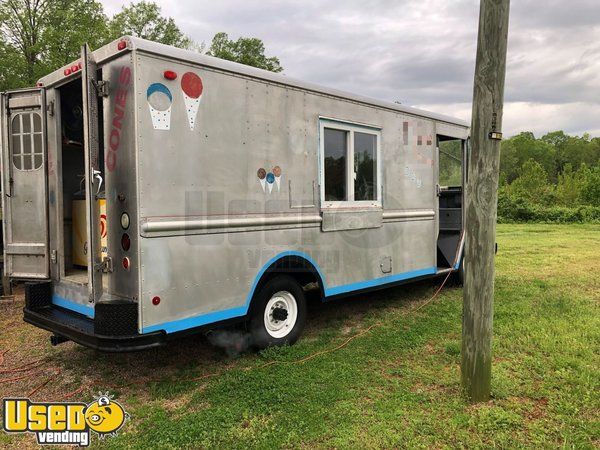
{"x": 56, "y": 371}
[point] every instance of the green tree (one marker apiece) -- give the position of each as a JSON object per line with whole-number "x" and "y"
{"x": 570, "y": 185}
{"x": 72, "y": 24}
{"x": 590, "y": 192}
{"x": 524, "y": 146}
{"x": 41, "y": 35}
{"x": 249, "y": 51}
{"x": 145, "y": 20}
{"x": 22, "y": 23}
{"x": 532, "y": 183}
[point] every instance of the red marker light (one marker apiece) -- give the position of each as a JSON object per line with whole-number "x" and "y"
{"x": 74, "y": 68}
{"x": 156, "y": 300}
{"x": 170, "y": 75}
{"x": 126, "y": 263}
{"x": 79, "y": 65}
{"x": 125, "y": 242}
{"x": 40, "y": 84}
{"x": 67, "y": 72}
{"x": 122, "y": 45}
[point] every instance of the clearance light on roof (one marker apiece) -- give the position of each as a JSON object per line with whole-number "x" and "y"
{"x": 67, "y": 71}
{"x": 122, "y": 45}
{"x": 40, "y": 84}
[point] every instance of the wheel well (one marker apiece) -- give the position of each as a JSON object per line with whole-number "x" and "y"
{"x": 296, "y": 267}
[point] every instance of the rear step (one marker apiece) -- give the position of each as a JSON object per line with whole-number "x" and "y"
{"x": 113, "y": 329}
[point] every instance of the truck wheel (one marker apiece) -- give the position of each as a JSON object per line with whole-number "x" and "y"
{"x": 278, "y": 313}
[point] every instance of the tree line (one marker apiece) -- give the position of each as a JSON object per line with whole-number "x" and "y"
{"x": 554, "y": 178}
{"x": 40, "y": 36}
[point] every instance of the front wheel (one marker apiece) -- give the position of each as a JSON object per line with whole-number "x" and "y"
{"x": 278, "y": 313}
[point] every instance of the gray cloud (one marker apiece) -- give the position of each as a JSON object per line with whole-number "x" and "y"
{"x": 422, "y": 52}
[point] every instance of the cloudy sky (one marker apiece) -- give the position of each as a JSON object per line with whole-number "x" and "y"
{"x": 422, "y": 52}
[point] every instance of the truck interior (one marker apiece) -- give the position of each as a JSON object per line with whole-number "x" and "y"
{"x": 450, "y": 197}
{"x": 74, "y": 262}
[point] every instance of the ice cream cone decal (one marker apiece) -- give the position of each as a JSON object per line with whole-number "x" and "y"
{"x": 277, "y": 174}
{"x": 262, "y": 173}
{"x": 159, "y": 99}
{"x": 270, "y": 181}
{"x": 191, "y": 85}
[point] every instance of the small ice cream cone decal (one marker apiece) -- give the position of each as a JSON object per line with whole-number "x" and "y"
{"x": 262, "y": 174}
{"x": 159, "y": 99}
{"x": 277, "y": 174}
{"x": 191, "y": 85}
{"x": 270, "y": 181}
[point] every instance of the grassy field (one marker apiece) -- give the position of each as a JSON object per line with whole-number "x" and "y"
{"x": 397, "y": 385}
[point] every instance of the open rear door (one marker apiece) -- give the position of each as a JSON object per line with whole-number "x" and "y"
{"x": 93, "y": 179}
{"x": 24, "y": 183}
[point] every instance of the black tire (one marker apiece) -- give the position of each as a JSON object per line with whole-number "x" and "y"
{"x": 290, "y": 293}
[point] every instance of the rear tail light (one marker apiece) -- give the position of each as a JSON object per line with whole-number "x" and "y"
{"x": 125, "y": 221}
{"x": 126, "y": 263}
{"x": 125, "y": 242}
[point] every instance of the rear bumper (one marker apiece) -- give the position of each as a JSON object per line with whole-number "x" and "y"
{"x": 111, "y": 330}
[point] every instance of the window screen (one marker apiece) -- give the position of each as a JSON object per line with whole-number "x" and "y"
{"x": 365, "y": 166}
{"x": 26, "y": 136}
{"x": 336, "y": 154}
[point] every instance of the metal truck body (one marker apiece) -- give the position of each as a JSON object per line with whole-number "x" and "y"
{"x": 217, "y": 177}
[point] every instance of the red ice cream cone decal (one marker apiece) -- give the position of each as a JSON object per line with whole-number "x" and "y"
{"x": 191, "y": 85}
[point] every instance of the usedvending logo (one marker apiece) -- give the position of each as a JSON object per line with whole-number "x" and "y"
{"x": 69, "y": 423}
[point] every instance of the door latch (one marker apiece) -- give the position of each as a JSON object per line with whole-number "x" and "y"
{"x": 106, "y": 266}
{"x": 98, "y": 176}
{"x": 102, "y": 88}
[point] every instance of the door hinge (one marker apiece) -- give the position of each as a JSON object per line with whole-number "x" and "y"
{"x": 102, "y": 88}
{"x": 53, "y": 256}
{"x": 106, "y": 266}
{"x": 51, "y": 108}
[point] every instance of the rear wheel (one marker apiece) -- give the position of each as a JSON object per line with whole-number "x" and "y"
{"x": 278, "y": 313}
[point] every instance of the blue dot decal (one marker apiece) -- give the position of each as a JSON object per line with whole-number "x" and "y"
{"x": 270, "y": 178}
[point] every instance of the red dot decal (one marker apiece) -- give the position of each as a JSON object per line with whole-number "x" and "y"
{"x": 191, "y": 84}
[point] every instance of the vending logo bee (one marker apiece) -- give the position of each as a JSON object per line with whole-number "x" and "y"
{"x": 70, "y": 423}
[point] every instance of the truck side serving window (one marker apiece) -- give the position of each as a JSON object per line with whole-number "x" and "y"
{"x": 336, "y": 156}
{"x": 350, "y": 158}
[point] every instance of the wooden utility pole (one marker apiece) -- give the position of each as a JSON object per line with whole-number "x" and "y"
{"x": 481, "y": 199}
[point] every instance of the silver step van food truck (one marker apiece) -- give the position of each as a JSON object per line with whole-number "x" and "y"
{"x": 150, "y": 191}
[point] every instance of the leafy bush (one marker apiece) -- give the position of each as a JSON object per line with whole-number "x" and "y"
{"x": 590, "y": 192}
{"x": 517, "y": 209}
